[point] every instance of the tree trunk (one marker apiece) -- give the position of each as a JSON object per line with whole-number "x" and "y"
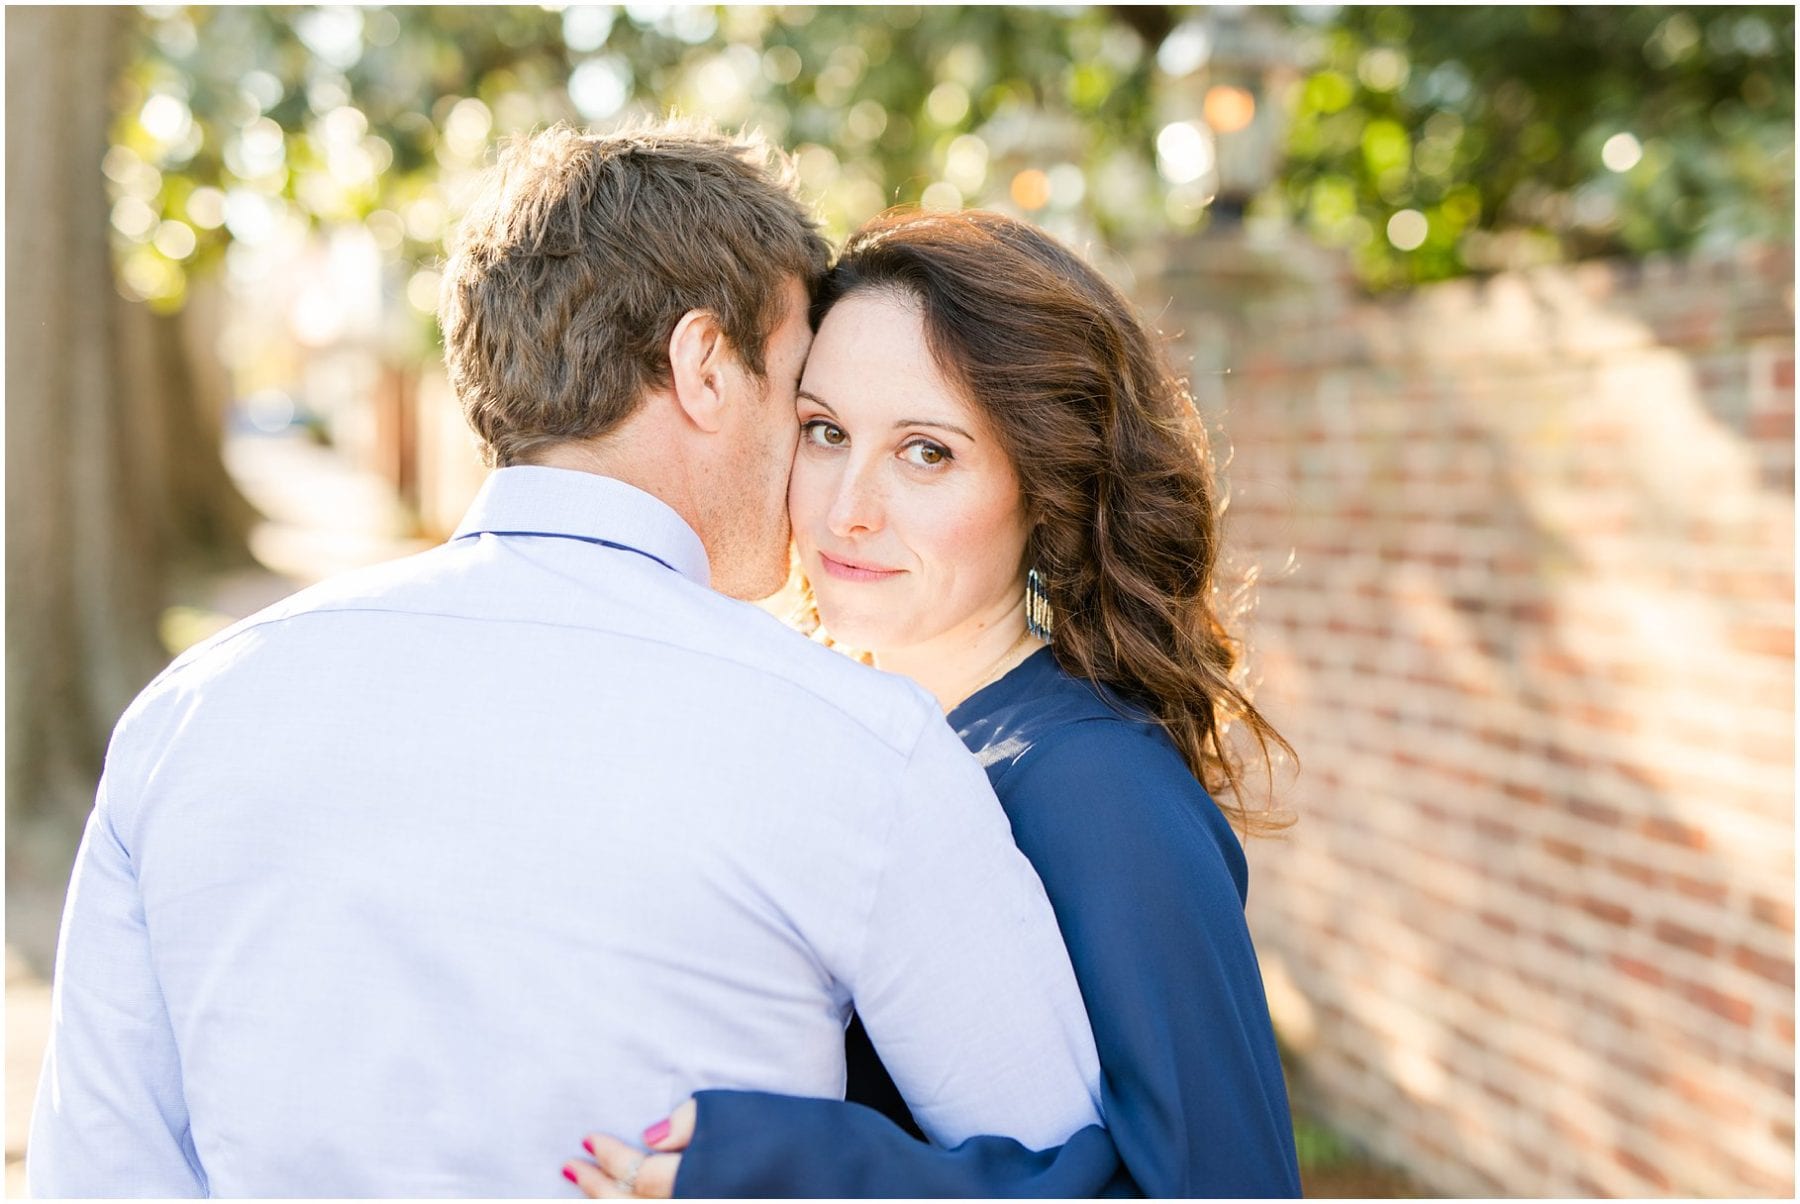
{"x": 112, "y": 471}
{"x": 179, "y": 394}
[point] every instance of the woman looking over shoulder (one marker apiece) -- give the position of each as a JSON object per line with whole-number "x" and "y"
{"x": 1002, "y": 492}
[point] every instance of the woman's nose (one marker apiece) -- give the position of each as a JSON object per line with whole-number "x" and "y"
{"x": 856, "y": 507}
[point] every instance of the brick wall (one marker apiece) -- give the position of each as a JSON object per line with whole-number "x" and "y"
{"x": 1533, "y": 933}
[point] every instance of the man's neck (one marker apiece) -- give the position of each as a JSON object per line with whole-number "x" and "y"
{"x": 628, "y": 454}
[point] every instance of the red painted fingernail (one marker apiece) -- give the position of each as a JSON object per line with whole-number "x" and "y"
{"x": 587, "y": 1143}
{"x": 569, "y": 1174}
{"x": 656, "y": 1132}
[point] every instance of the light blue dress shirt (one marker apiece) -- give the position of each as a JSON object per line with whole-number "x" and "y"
{"x": 401, "y": 886}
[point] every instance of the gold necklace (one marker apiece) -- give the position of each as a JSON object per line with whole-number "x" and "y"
{"x": 996, "y": 669}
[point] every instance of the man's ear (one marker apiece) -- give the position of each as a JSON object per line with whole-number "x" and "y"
{"x": 701, "y": 364}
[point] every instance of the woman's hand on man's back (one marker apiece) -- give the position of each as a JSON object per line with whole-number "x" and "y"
{"x": 620, "y": 1171}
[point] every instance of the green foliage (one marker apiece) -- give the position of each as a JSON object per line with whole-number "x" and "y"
{"x": 1426, "y": 142}
{"x": 1319, "y": 1148}
{"x": 237, "y": 121}
{"x": 1521, "y": 135}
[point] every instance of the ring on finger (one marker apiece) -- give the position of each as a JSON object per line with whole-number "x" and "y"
{"x": 628, "y": 1181}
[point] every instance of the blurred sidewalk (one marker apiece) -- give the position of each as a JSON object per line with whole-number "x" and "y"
{"x": 324, "y": 517}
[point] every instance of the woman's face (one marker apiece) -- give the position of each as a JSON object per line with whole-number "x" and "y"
{"x": 907, "y": 512}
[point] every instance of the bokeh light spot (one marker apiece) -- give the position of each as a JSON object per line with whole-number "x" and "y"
{"x": 1228, "y": 109}
{"x": 1031, "y": 189}
{"x": 422, "y": 290}
{"x": 165, "y": 118}
{"x": 600, "y": 87}
{"x": 1184, "y": 152}
{"x": 1185, "y": 50}
{"x": 1407, "y": 229}
{"x": 587, "y": 26}
{"x": 175, "y": 239}
{"x": 781, "y": 64}
{"x": 942, "y": 197}
{"x": 1622, "y": 152}
{"x": 965, "y": 163}
{"x": 948, "y": 103}
{"x": 206, "y": 208}
{"x": 133, "y": 217}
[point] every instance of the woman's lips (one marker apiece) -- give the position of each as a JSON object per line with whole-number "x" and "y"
{"x": 845, "y": 571}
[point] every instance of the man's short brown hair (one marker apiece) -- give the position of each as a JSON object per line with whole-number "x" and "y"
{"x": 571, "y": 269}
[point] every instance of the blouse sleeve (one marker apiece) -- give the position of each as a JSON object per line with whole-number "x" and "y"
{"x": 1148, "y": 884}
{"x": 1146, "y": 879}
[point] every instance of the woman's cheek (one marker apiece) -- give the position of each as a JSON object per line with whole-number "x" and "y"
{"x": 803, "y": 488}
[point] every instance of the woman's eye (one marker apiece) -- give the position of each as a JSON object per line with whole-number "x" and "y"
{"x": 820, "y": 433}
{"x": 926, "y": 455}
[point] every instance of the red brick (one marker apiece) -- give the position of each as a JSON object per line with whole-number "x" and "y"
{"x": 1431, "y": 812}
{"x": 1498, "y": 922}
{"x": 1699, "y": 1094}
{"x": 1499, "y": 739}
{"x": 1526, "y": 1156}
{"x": 1494, "y": 1091}
{"x": 1607, "y": 910}
{"x": 1726, "y": 1007}
{"x": 1639, "y": 1068}
{"x": 1764, "y": 639}
{"x": 1681, "y": 937}
{"x": 1523, "y": 793}
{"x": 1640, "y": 970}
{"x": 1630, "y": 1110}
{"x": 1607, "y": 719}
{"x": 1536, "y": 889}
{"x": 1781, "y": 1078}
{"x": 1776, "y": 425}
{"x": 1496, "y": 830}
{"x": 1531, "y": 612}
{"x": 1755, "y": 1179}
{"x": 1694, "y": 888}
{"x": 1609, "y": 1007}
{"x": 1773, "y": 912}
{"x": 1643, "y": 875}
{"x": 1564, "y": 850}
{"x": 1767, "y": 748}
{"x": 1778, "y": 970}
{"x": 1658, "y": 827}
{"x": 1597, "y": 813}
{"x": 1558, "y": 755}
{"x": 1641, "y": 1168}
{"x": 1643, "y": 775}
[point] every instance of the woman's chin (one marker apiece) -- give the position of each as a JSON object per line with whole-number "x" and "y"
{"x": 849, "y": 634}
{"x": 853, "y": 630}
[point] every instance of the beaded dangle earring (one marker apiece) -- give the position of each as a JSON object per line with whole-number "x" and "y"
{"x": 1038, "y": 620}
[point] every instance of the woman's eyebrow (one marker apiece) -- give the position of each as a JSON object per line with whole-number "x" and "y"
{"x": 937, "y": 422}
{"x": 807, "y": 395}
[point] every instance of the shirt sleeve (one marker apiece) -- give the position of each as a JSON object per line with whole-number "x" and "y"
{"x": 1147, "y": 882}
{"x": 110, "y": 1119}
{"x": 962, "y": 981}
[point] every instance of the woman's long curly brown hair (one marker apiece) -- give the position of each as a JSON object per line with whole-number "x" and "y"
{"x": 1112, "y": 458}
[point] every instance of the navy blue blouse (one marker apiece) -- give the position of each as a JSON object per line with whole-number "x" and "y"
{"x": 1148, "y": 882}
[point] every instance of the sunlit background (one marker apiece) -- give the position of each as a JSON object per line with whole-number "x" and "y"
{"x": 1530, "y": 228}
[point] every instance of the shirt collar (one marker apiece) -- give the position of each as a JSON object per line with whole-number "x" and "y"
{"x": 561, "y": 501}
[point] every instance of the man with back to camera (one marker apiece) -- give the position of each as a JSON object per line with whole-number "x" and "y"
{"x": 399, "y": 886}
